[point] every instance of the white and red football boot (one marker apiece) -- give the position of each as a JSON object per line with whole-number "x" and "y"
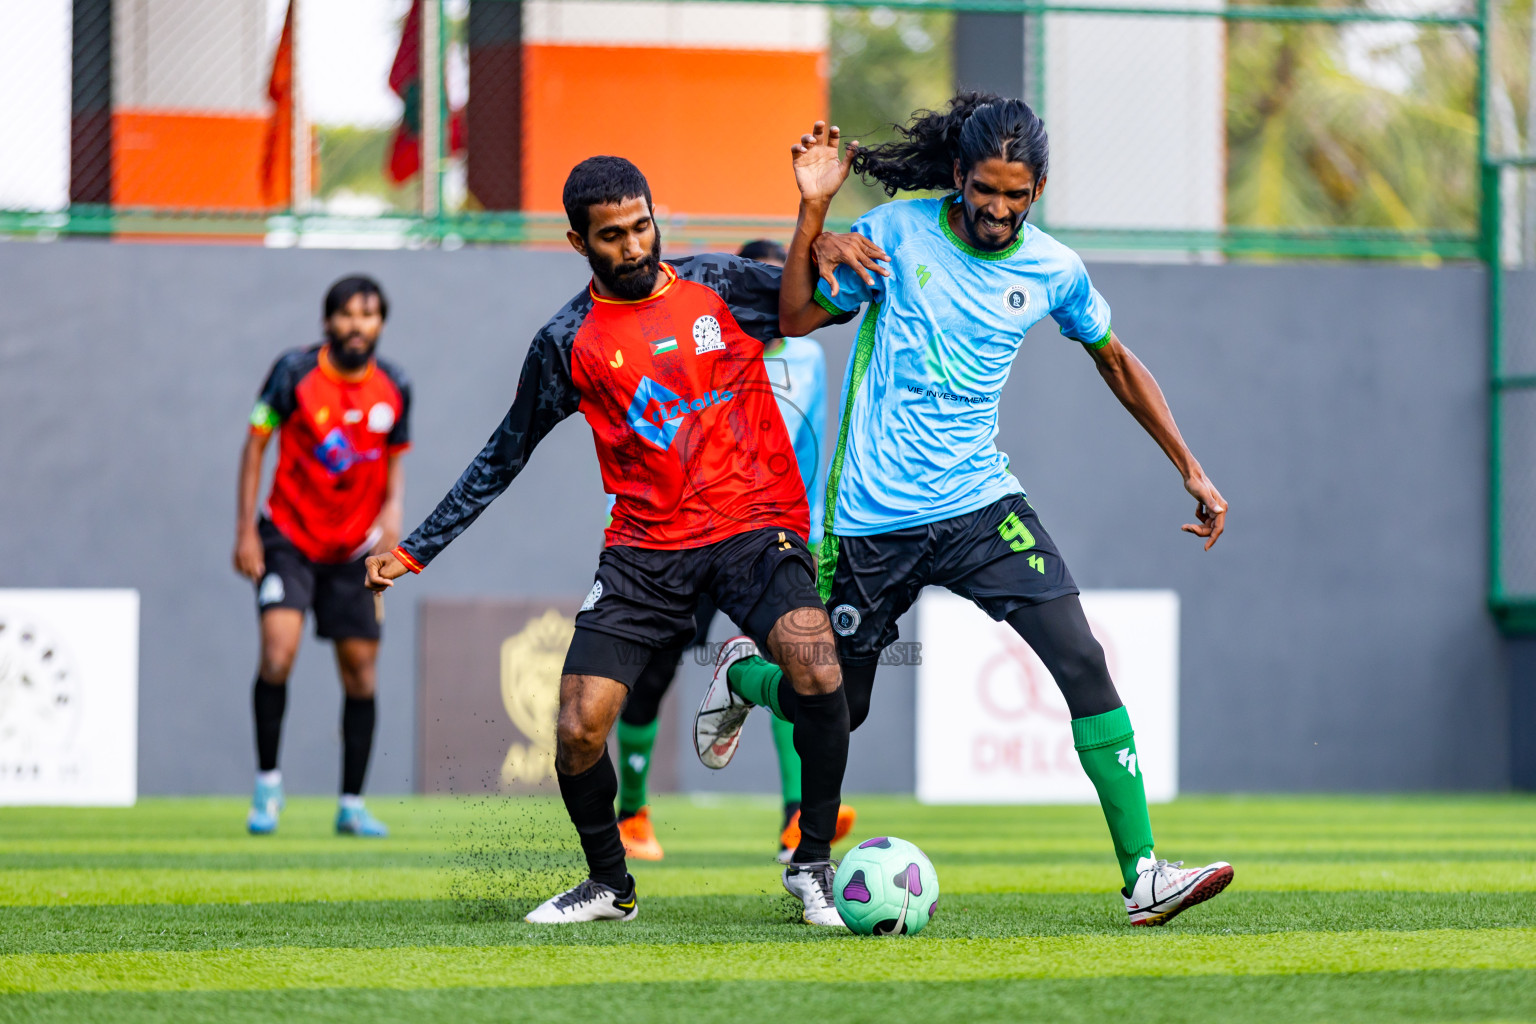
{"x": 717, "y": 724}
{"x": 1164, "y": 889}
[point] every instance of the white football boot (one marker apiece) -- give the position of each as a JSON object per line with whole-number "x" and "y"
{"x": 589, "y": 901}
{"x": 812, "y": 884}
{"x": 717, "y": 724}
{"x": 1163, "y": 889}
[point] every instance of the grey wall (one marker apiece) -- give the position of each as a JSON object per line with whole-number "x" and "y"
{"x": 1334, "y": 639}
{"x": 989, "y": 52}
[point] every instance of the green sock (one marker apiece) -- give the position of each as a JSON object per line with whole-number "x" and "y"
{"x": 756, "y": 681}
{"x": 1107, "y": 747}
{"x": 635, "y": 743}
{"x": 789, "y": 759}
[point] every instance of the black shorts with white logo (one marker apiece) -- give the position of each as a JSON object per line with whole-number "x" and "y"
{"x": 644, "y": 599}
{"x": 999, "y": 556}
{"x": 344, "y": 607}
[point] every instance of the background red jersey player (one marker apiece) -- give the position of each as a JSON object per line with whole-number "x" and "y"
{"x": 342, "y": 420}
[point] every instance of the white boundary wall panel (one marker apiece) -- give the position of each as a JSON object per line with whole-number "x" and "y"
{"x": 992, "y": 727}
{"x": 1136, "y": 111}
{"x": 714, "y": 26}
{"x": 34, "y": 104}
{"x": 69, "y": 697}
{"x": 192, "y": 55}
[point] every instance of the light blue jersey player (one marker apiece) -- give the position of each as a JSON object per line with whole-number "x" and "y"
{"x": 917, "y": 492}
{"x": 920, "y": 395}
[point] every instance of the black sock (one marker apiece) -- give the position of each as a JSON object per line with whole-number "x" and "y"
{"x": 357, "y": 718}
{"x": 589, "y": 800}
{"x": 821, "y": 740}
{"x": 268, "y": 701}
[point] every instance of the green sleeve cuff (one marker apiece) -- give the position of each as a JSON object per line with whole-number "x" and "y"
{"x": 1109, "y": 332}
{"x": 828, "y": 305}
{"x": 1104, "y": 730}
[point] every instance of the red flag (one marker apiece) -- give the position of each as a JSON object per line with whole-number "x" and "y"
{"x": 405, "y": 82}
{"x": 277, "y": 153}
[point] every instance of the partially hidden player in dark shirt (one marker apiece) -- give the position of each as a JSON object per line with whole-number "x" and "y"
{"x": 342, "y": 418}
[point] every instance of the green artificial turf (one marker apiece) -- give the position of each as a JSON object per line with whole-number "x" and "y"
{"x": 1343, "y": 908}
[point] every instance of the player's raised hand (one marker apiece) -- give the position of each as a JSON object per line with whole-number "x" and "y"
{"x": 853, "y": 250}
{"x": 819, "y": 172}
{"x": 1210, "y": 509}
{"x": 383, "y": 570}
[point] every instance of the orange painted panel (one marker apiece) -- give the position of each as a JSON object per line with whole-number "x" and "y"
{"x": 711, "y": 129}
{"x": 187, "y": 161}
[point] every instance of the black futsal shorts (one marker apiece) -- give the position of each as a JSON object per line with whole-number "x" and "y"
{"x": 344, "y": 607}
{"x": 644, "y": 599}
{"x": 999, "y": 556}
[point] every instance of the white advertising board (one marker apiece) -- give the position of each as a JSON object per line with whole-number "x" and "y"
{"x": 69, "y": 697}
{"x": 992, "y": 728}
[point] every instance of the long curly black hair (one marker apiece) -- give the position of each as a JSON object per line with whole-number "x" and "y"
{"x": 976, "y": 126}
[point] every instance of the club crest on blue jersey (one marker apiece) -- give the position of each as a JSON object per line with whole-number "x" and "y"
{"x": 1016, "y": 300}
{"x": 656, "y": 413}
{"x": 846, "y": 620}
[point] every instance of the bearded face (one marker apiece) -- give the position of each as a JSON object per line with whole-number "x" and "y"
{"x": 632, "y": 280}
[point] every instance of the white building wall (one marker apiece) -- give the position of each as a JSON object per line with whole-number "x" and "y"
{"x": 194, "y": 55}
{"x": 1135, "y": 107}
{"x": 745, "y": 26}
{"x": 34, "y": 104}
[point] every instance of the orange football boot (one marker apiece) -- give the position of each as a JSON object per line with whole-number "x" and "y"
{"x": 639, "y": 837}
{"x": 846, "y": 816}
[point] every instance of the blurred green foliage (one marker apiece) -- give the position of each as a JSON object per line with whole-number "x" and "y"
{"x": 1358, "y": 125}
{"x": 352, "y": 164}
{"x": 885, "y": 65}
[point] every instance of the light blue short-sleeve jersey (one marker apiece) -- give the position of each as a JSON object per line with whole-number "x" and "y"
{"x": 920, "y": 396}
{"x": 797, "y": 369}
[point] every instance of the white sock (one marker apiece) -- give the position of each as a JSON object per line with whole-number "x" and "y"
{"x": 351, "y": 802}
{"x": 271, "y": 778}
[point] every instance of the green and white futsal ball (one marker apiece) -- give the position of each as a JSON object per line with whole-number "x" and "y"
{"x": 886, "y": 886}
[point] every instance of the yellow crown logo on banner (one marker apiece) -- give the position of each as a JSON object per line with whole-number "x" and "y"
{"x": 530, "y": 689}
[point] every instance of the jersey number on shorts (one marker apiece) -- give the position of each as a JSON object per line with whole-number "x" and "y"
{"x": 1016, "y": 533}
{"x": 1020, "y": 539}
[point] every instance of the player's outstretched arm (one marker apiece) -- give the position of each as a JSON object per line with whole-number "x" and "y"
{"x": 1137, "y": 390}
{"x": 546, "y": 394}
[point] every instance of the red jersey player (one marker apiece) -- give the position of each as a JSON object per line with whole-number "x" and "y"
{"x": 341, "y": 416}
{"x": 664, "y": 359}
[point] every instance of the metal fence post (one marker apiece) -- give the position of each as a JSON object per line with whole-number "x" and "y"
{"x": 302, "y": 189}
{"x": 431, "y": 112}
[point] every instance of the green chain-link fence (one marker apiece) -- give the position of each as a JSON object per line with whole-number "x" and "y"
{"x": 1181, "y": 129}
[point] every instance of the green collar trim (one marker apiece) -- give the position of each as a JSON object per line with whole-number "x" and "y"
{"x": 963, "y": 246}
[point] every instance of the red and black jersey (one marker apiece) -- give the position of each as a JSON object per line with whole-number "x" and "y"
{"x": 336, "y": 433}
{"x": 687, "y": 430}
